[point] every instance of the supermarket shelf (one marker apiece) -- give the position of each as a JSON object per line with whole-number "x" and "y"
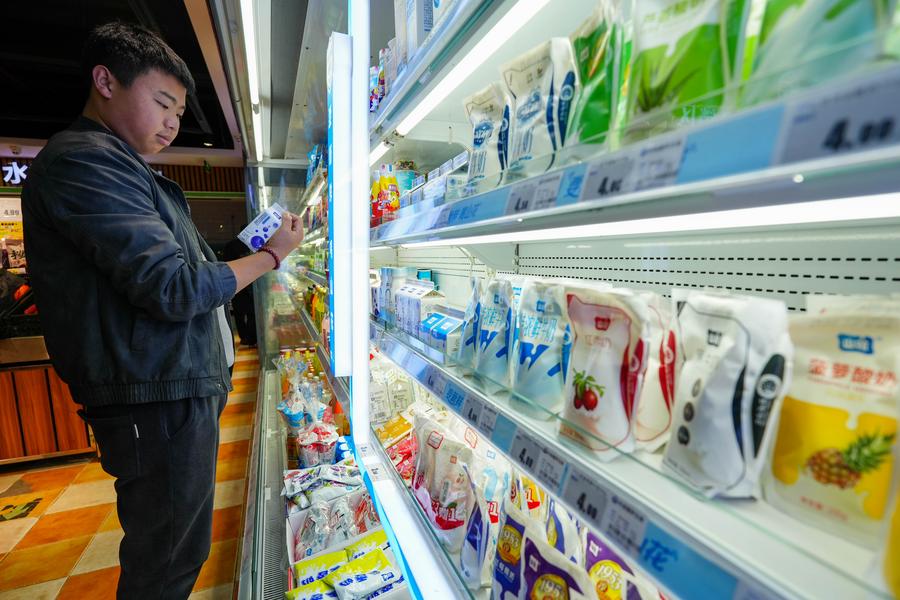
{"x": 316, "y": 277}
{"x": 339, "y": 385}
{"x": 313, "y": 188}
{"x": 269, "y": 552}
{"x": 692, "y": 547}
{"x": 314, "y": 236}
{"x": 783, "y": 158}
{"x": 425, "y": 66}
{"x": 430, "y": 568}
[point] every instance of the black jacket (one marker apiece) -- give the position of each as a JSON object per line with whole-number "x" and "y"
{"x": 127, "y": 302}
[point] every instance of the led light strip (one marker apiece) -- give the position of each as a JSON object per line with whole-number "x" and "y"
{"x": 877, "y": 206}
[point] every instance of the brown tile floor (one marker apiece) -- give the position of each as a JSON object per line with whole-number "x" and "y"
{"x": 67, "y": 545}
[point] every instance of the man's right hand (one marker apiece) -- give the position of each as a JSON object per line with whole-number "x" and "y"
{"x": 288, "y": 236}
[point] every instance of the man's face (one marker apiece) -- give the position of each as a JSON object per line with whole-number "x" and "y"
{"x": 147, "y": 114}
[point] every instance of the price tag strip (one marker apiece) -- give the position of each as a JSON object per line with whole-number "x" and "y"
{"x": 673, "y": 562}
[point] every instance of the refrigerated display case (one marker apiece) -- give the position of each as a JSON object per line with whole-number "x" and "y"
{"x": 781, "y": 187}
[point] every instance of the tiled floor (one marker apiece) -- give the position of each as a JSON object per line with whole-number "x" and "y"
{"x": 67, "y": 545}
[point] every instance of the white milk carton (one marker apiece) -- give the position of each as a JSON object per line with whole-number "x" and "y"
{"x": 262, "y": 228}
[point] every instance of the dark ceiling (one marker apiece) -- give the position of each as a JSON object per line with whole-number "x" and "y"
{"x": 39, "y": 52}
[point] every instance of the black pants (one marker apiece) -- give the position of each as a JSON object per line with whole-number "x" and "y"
{"x": 244, "y": 316}
{"x": 163, "y": 456}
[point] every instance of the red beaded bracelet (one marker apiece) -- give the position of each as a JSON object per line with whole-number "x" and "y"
{"x": 274, "y": 256}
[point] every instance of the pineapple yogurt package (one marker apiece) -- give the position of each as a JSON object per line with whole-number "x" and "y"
{"x": 471, "y": 324}
{"x": 680, "y": 64}
{"x": 541, "y": 345}
{"x": 488, "y": 112}
{"x": 832, "y": 464}
{"x": 495, "y": 329}
{"x": 542, "y": 84}
{"x": 737, "y": 366}
{"x": 607, "y": 365}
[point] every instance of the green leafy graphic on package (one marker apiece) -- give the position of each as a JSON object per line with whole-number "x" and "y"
{"x": 595, "y": 46}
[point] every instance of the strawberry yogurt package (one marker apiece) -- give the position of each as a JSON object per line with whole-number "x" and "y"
{"x": 607, "y": 365}
{"x": 653, "y": 413}
{"x": 440, "y": 484}
{"x": 738, "y": 359}
{"x": 540, "y": 349}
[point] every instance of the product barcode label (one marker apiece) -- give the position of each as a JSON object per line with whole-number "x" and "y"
{"x": 658, "y": 163}
{"x": 488, "y": 420}
{"x": 454, "y": 397}
{"x": 551, "y": 469}
{"x": 378, "y": 472}
{"x": 848, "y": 119}
{"x": 521, "y": 197}
{"x": 525, "y": 450}
{"x": 585, "y": 496}
{"x": 624, "y": 525}
{"x": 609, "y": 177}
{"x": 471, "y": 410}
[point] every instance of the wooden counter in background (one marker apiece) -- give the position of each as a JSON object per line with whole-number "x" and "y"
{"x": 38, "y": 418}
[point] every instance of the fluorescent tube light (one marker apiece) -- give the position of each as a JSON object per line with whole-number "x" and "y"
{"x": 257, "y": 136}
{"x": 514, "y": 19}
{"x": 249, "y": 24}
{"x": 378, "y": 152}
{"x": 878, "y": 206}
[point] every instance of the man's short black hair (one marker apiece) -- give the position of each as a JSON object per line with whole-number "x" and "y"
{"x": 129, "y": 51}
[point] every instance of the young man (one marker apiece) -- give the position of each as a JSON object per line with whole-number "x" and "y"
{"x": 131, "y": 300}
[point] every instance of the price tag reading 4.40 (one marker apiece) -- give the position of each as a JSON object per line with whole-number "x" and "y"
{"x": 525, "y": 450}
{"x": 471, "y": 410}
{"x": 608, "y": 177}
{"x": 850, "y": 119}
{"x": 584, "y": 495}
{"x": 521, "y": 198}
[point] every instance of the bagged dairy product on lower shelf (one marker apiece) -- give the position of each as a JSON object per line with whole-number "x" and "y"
{"x": 679, "y": 68}
{"x": 607, "y": 366}
{"x": 507, "y": 582}
{"x": 737, "y": 367}
{"x": 542, "y": 84}
{"x": 492, "y": 356}
{"x": 363, "y": 576}
{"x": 317, "y": 590}
{"x": 832, "y": 464}
{"x": 546, "y": 573}
{"x": 540, "y": 350}
{"x": 317, "y": 567}
{"x": 440, "y": 483}
{"x": 468, "y": 346}
{"x": 653, "y": 412}
{"x": 488, "y": 112}
{"x": 562, "y": 532}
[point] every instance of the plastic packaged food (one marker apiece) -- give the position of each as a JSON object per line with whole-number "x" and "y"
{"x": 507, "y": 581}
{"x": 737, "y": 367}
{"x": 471, "y": 325}
{"x": 492, "y": 357}
{"x": 317, "y": 590}
{"x": 363, "y": 576}
{"x": 653, "y": 412}
{"x": 317, "y": 444}
{"x": 891, "y": 562}
{"x": 541, "y": 349}
{"x": 679, "y": 69}
{"x": 313, "y": 535}
{"x": 488, "y": 112}
{"x": 832, "y": 464}
{"x": 317, "y": 567}
{"x": 548, "y": 574}
{"x": 542, "y": 84}
{"x": 607, "y": 366}
{"x": 376, "y": 539}
{"x": 562, "y": 532}
{"x": 441, "y": 484}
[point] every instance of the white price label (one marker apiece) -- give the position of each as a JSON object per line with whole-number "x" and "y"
{"x": 419, "y": 181}
{"x": 658, "y": 163}
{"x": 365, "y": 451}
{"x": 471, "y": 410}
{"x": 585, "y": 496}
{"x": 609, "y": 177}
{"x": 447, "y": 167}
{"x": 849, "y": 119}
{"x": 551, "y": 469}
{"x": 525, "y": 450}
{"x": 435, "y": 381}
{"x": 434, "y": 173}
{"x": 624, "y": 525}
{"x": 546, "y": 191}
{"x": 488, "y": 420}
{"x": 378, "y": 472}
{"x": 521, "y": 198}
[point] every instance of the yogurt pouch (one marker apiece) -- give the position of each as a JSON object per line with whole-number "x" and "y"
{"x": 440, "y": 484}
{"x": 488, "y": 112}
{"x": 318, "y": 567}
{"x": 541, "y": 349}
{"x": 832, "y": 464}
{"x": 471, "y": 323}
{"x": 547, "y": 574}
{"x": 363, "y": 576}
{"x": 317, "y": 590}
{"x": 376, "y": 539}
{"x": 653, "y": 413}
{"x": 507, "y": 572}
{"x": 738, "y": 359}
{"x": 608, "y": 362}
{"x": 495, "y": 328}
{"x": 596, "y": 51}
{"x": 542, "y": 84}
{"x": 562, "y": 532}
